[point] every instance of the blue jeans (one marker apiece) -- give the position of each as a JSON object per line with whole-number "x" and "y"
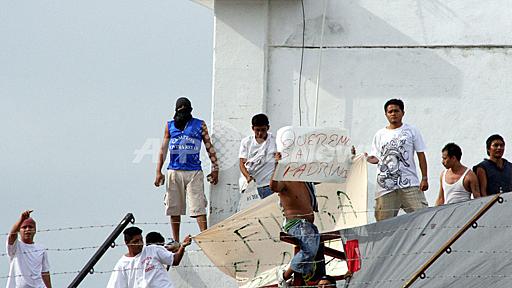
{"x": 264, "y": 191}
{"x": 309, "y": 240}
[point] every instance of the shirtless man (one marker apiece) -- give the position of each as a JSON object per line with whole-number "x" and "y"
{"x": 457, "y": 182}
{"x": 299, "y": 203}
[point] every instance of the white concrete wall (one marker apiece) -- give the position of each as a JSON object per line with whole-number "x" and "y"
{"x": 239, "y": 90}
{"x": 450, "y": 61}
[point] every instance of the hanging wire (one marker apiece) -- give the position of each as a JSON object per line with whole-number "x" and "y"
{"x": 302, "y": 57}
{"x": 320, "y": 62}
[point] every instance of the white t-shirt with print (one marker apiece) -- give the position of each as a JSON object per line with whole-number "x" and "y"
{"x": 395, "y": 149}
{"x": 27, "y": 262}
{"x": 260, "y": 158}
{"x": 146, "y": 270}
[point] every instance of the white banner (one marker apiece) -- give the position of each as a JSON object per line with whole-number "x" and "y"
{"x": 313, "y": 154}
{"x": 249, "y": 196}
{"x": 246, "y": 246}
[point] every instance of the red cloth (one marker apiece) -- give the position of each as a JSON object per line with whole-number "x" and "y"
{"x": 353, "y": 255}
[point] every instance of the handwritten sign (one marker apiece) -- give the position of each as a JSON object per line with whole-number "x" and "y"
{"x": 246, "y": 246}
{"x": 313, "y": 154}
{"x": 249, "y": 196}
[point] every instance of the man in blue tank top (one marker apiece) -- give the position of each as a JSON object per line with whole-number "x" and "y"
{"x": 182, "y": 138}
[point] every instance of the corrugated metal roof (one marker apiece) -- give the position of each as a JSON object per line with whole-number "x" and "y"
{"x": 392, "y": 251}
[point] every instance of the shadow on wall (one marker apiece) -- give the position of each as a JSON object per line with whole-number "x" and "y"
{"x": 365, "y": 58}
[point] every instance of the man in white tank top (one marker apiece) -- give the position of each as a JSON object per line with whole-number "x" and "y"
{"x": 457, "y": 181}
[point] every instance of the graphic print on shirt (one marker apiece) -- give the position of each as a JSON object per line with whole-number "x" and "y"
{"x": 146, "y": 263}
{"x": 393, "y": 156}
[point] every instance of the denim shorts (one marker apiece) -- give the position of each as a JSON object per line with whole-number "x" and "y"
{"x": 309, "y": 240}
{"x": 264, "y": 191}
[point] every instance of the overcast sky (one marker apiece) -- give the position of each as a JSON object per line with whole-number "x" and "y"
{"x": 83, "y": 86}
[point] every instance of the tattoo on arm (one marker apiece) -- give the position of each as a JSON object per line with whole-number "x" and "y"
{"x": 209, "y": 148}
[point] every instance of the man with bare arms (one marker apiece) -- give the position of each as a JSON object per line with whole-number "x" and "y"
{"x": 299, "y": 203}
{"x": 458, "y": 182}
{"x": 182, "y": 138}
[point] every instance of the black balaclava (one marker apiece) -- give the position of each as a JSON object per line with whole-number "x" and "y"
{"x": 183, "y": 113}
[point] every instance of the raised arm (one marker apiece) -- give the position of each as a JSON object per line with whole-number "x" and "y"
{"x": 422, "y": 159}
{"x": 276, "y": 186}
{"x": 13, "y": 234}
{"x": 482, "y": 180}
{"x": 440, "y": 197}
{"x": 214, "y": 175}
{"x": 179, "y": 254}
{"x": 162, "y": 155}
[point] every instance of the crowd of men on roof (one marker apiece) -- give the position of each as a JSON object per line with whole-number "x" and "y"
{"x": 398, "y": 186}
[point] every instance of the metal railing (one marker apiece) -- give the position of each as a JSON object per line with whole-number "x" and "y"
{"x": 109, "y": 243}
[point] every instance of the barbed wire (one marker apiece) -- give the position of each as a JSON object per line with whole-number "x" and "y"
{"x": 73, "y": 249}
{"x": 369, "y": 257}
{"x": 277, "y": 264}
{"x": 346, "y": 234}
{"x": 84, "y": 227}
{"x": 342, "y": 212}
{"x": 352, "y": 282}
{"x": 163, "y": 268}
{"x": 277, "y": 238}
{"x": 437, "y": 276}
{"x": 59, "y": 229}
{"x": 426, "y": 227}
{"x": 468, "y": 276}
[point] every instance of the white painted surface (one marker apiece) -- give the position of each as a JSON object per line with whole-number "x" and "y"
{"x": 377, "y": 50}
{"x": 196, "y": 271}
{"x": 205, "y": 3}
{"x": 392, "y": 22}
{"x": 239, "y": 90}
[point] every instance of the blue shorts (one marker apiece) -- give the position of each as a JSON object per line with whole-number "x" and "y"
{"x": 264, "y": 191}
{"x": 309, "y": 240}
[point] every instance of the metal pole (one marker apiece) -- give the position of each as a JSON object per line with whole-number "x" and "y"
{"x": 109, "y": 243}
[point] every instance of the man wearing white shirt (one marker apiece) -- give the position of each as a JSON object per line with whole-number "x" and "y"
{"x": 393, "y": 149}
{"x": 28, "y": 267}
{"x": 257, "y": 156}
{"x": 143, "y": 266}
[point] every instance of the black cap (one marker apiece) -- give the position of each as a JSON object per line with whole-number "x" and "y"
{"x": 183, "y": 103}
